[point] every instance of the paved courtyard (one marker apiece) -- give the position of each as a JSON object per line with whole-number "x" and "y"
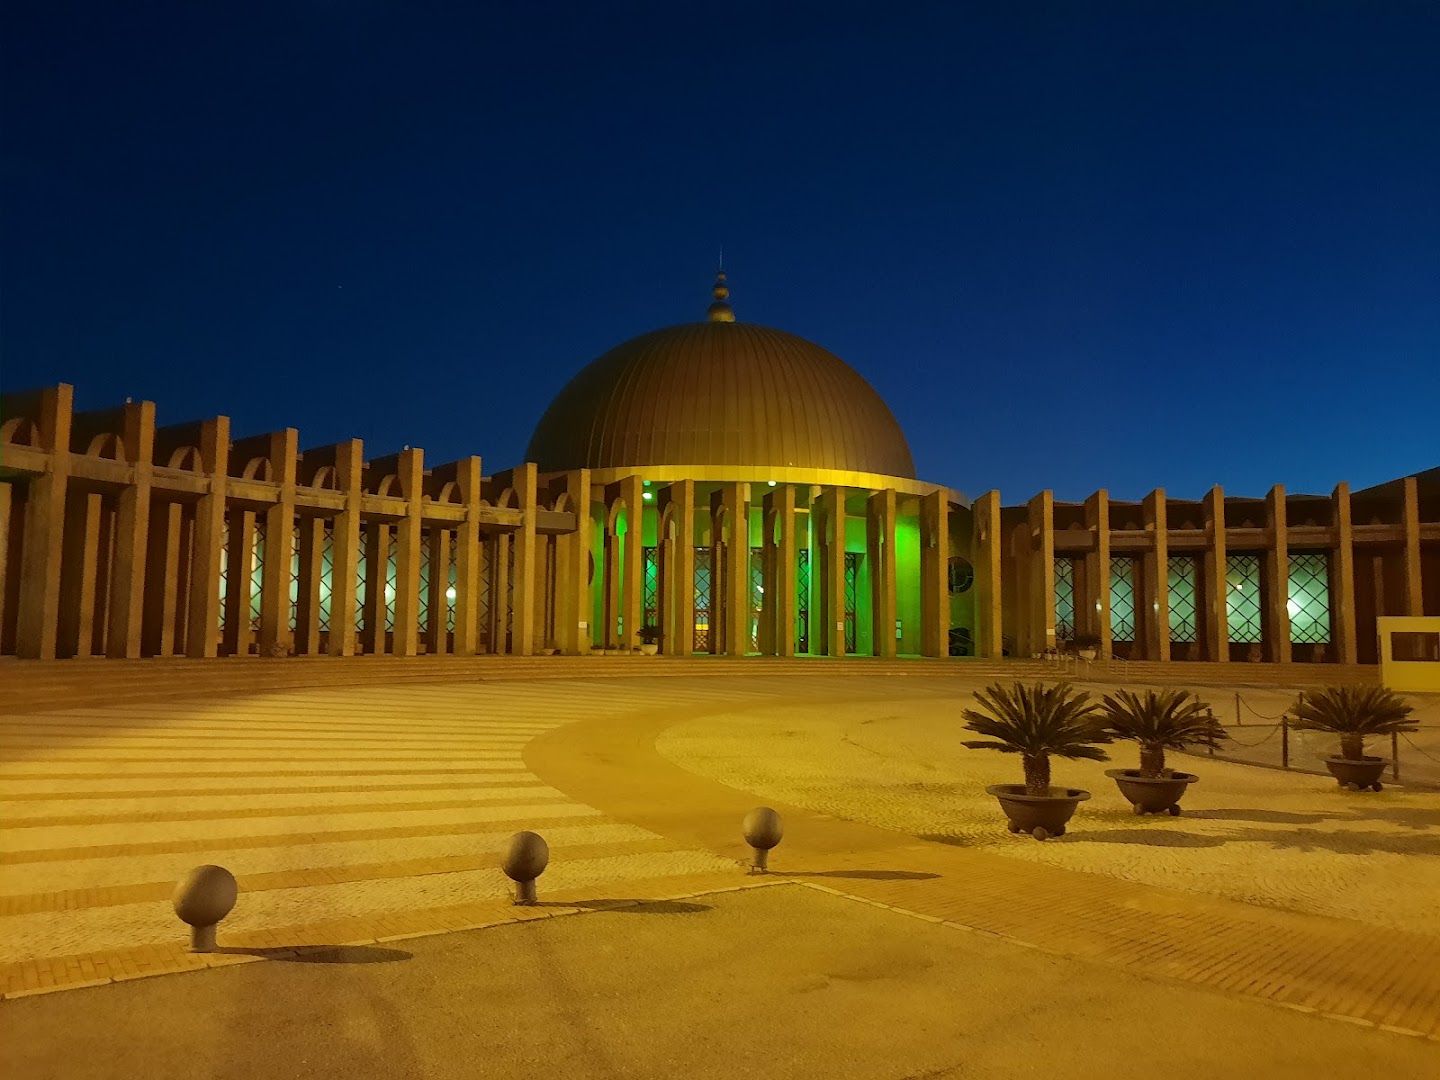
{"x": 374, "y": 816}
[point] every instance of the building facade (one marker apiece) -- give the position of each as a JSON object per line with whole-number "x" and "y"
{"x": 713, "y": 487}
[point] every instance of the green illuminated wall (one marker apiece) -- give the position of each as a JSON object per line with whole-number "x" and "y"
{"x": 907, "y": 582}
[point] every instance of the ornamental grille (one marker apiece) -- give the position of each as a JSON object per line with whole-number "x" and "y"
{"x": 389, "y": 580}
{"x": 1309, "y": 599}
{"x": 852, "y": 578}
{"x": 424, "y": 605}
{"x": 1065, "y": 599}
{"x": 257, "y": 574}
{"x": 703, "y": 580}
{"x": 1242, "y": 599}
{"x": 450, "y": 593}
{"x": 295, "y": 578}
{"x": 224, "y": 568}
{"x": 327, "y": 574}
{"x": 757, "y": 595}
{"x": 487, "y": 554}
{"x": 802, "y": 600}
{"x": 1122, "y": 598}
{"x": 650, "y": 593}
{"x": 1184, "y": 624}
{"x": 362, "y": 588}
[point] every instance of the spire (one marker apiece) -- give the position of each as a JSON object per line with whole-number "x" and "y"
{"x": 720, "y": 310}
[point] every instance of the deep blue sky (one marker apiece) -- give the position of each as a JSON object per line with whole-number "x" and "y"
{"x": 1074, "y": 246}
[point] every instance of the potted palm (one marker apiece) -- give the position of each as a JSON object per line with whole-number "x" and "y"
{"x": 1159, "y": 721}
{"x": 1353, "y": 713}
{"x": 1037, "y": 721}
{"x": 650, "y": 639}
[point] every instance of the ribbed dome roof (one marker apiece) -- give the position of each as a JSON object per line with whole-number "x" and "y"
{"x": 720, "y": 393}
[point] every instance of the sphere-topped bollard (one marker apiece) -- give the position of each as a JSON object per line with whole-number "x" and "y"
{"x": 763, "y": 831}
{"x": 202, "y": 898}
{"x": 526, "y": 857}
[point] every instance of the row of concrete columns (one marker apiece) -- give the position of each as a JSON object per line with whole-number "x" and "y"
{"x": 729, "y": 506}
{"x": 1035, "y": 550}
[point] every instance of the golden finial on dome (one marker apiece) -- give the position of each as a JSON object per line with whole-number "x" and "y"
{"x": 720, "y": 310}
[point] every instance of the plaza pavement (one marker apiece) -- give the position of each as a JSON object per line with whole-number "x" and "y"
{"x": 376, "y": 815}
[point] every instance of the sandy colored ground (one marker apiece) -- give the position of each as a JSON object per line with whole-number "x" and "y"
{"x": 1289, "y": 840}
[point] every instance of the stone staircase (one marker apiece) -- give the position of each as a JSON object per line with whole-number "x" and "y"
{"x": 27, "y": 685}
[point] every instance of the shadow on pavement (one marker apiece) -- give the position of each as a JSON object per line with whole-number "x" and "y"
{"x": 871, "y": 875}
{"x": 327, "y": 954}
{"x": 1156, "y": 837}
{"x": 1264, "y": 817}
{"x": 639, "y": 907}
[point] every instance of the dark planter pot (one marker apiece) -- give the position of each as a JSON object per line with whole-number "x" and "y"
{"x": 1152, "y": 795}
{"x": 1042, "y": 816}
{"x": 1362, "y": 773}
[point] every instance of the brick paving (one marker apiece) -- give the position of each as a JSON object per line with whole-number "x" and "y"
{"x": 83, "y": 895}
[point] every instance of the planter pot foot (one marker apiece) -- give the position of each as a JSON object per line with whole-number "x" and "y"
{"x": 1040, "y": 833}
{"x": 1174, "y": 811}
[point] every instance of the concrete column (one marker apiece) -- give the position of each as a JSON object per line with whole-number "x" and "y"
{"x": 611, "y": 604}
{"x": 345, "y": 549}
{"x": 410, "y": 472}
{"x": 1342, "y": 578}
{"x": 880, "y": 549}
{"x": 132, "y": 521}
{"x": 38, "y": 610}
{"x": 1414, "y": 595}
{"x": 523, "y": 622}
{"x": 680, "y": 634}
{"x": 573, "y": 611}
{"x": 1097, "y": 572}
{"x": 80, "y": 557}
{"x": 736, "y": 578}
{"x": 1041, "y": 578}
{"x": 830, "y": 526}
{"x": 988, "y": 547}
{"x": 779, "y": 517}
{"x": 718, "y": 574}
{"x": 500, "y": 593}
{"x": 239, "y": 573}
{"x": 312, "y": 567}
{"x": 468, "y": 555}
{"x": 162, "y": 588}
{"x": 1157, "y": 576}
{"x": 437, "y": 601}
{"x": 202, "y": 627}
{"x": 1277, "y": 560}
{"x": 275, "y": 635}
{"x": 935, "y": 574}
{"x": 1217, "y": 617}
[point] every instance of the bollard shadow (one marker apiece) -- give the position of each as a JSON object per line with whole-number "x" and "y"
{"x": 867, "y": 875}
{"x": 325, "y": 954}
{"x": 639, "y": 907}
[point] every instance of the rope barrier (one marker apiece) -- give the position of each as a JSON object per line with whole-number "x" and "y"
{"x": 1420, "y": 749}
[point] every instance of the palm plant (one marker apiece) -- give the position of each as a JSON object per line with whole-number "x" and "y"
{"x": 1036, "y": 721}
{"x": 1159, "y": 721}
{"x": 1354, "y": 713}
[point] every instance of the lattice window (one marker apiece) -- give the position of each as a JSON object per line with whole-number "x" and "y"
{"x": 802, "y": 600}
{"x": 224, "y": 568}
{"x": 327, "y": 573}
{"x": 257, "y": 575}
{"x": 362, "y": 589}
{"x": 389, "y": 582}
{"x": 450, "y": 592}
{"x": 650, "y": 594}
{"x": 1122, "y": 598}
{"x": 703, "y": 581}
{"x": 1242, "y": 599}
{"x": 487, "y": 562}
{"x": 1064, "y": 599}
{"x": 852, "y": 579}
{"x": 757, "y": 595}
{"x": 1184, "y": 621}
{"x": 424, "y": 605}
{"x": 1309, "y": 599}
{"x": 295, "y": 578}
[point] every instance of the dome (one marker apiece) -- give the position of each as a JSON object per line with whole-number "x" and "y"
{"x": 720, "y": 393}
